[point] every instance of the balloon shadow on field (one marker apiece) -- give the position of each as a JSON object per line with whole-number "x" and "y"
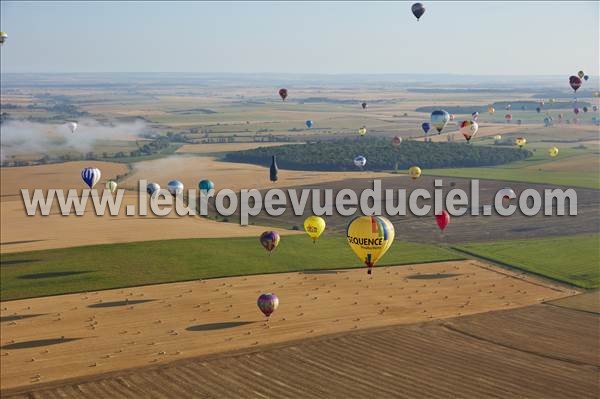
{"x": 218, "y": 326}
{"x": 17, "y": 261}
{"x": 19, "y": 317}
{"x": 115, "y": 304}
{"x": 52, "y": 274}
{"x": 431, "y": 276}
{"x": 38, "y": 343}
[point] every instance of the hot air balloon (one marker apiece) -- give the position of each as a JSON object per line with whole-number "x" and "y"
{"x": 3, "y": 37}
{"x": 309, "y": 123}
{"x": 396, "y": 141}
{"x": 370, "y": 237}
{"x": 442, "y": 219}
{"x": 111, "y": 186}
{"x": 273, "y": 170}
{"x": 497, "y": 138}
{"x": 425, "y": 126}
{"x": 581, "y": 74}
{"x": 91, "y": 176}
{"x": 468, "y": 129}
{"x": 508, "y": 107}
{"x": 538, "y": 110}
{"x": 585, "y": 109}
{"x": 269, "y": 240}
{"x": 520, "y": 141}
{"x": 507, "y": 194}
{"x": 491, "y": 109}
{"x": 586, "y": 77}
{"x": 552, "y": 100}
{"x": 267, "y": 303}
{"x": 575, "y": 82}
{"x": 575, "y": 110}
{"x": 283, "y": 93}
{"x": 414, "y": 172}
{"x": 72, "y": 126}
{"x": 418, "y": 10}
{"x": 553, "y": 151}
{"x": 175, "y": 187}
{"x": 475, "y": 116}
{"x": 439, "y": 120}
{"x": 595, "y": 108}
{"x": 360, "y": 161}
{"x": 362, "y": 131}
{"x": 364, "y": 105}
{"x": 206, "y": 187}
{"x": 314, "y": 227}
{"x": 152, "y": 188}
{"x": 519, "y": 121}
{"x": 547, "y": 121}
{"x": 508, "y": 118}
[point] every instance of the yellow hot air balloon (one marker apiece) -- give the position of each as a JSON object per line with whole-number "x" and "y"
{"x": 362, "y": 131}
{"x": 520, "y": 141}
{"x": 314, "y": 227}
{"x": 497, "y": 138}
{"x": 111, "y": 186}
{"x": 414, "y": 172}
{"x": 370, "y": 237}
{"x": 491, "y": 109}
{"x": 553, "y": 151}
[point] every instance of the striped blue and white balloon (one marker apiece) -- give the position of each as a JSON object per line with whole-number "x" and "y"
{"x": 91, "y": 176}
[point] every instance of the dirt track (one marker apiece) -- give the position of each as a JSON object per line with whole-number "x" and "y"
{"x": 53, "y": 338}
{"x": 535, "y": 352}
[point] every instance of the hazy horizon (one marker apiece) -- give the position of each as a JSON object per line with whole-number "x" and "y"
{"x": 502, "y": 39}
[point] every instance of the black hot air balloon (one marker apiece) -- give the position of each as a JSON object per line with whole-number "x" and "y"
{"x": 364, "y": 105}
{"x": 283, "y": 93}
{"x": 273, "y": 169}
{"x": 418, "y": 10}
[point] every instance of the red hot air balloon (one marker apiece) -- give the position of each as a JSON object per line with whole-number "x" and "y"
{"x": 267, "y": 303}
{"x": 442, "y": 219}
{"x": 283, "y": 93}
{"x": 575, "y": 82}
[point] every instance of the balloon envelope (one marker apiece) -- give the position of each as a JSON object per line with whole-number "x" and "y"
{"x": 175, "y": 187}
{"x": 152, "y": 188}
{"x": 497, "y": 137}
{"x": 370, "y": 237}
{"x": 418, "y": 10}
{"x": 91, "y": 176}
{"x": 360, "y": 161}
{"x": 439, "y": 119}
{"x": 111, "y": 186}
{"x": 553, "y": 151}
{"x": 283, "y": 93}
{"x": 309, "y": 123}
{"x": 468, "y": 129}
{"x": 364, "y": 105}
{"x": 442, "y": 219}
{"x": 269, "y": 240}
{"x": 491, "y": 109}
{"x": 396, "y": 141}
{"x": 206, "y": 186}
{"x": 585, "y": 77}
{"x": 581, "y": 74}
{"x": 520, "y": 141}
{"x": 3, "y": 37}
{"x": 267, "y": 303}
{"x": 425, "y": 126}
{"x": 72, "y": 126}
{"x": 414, "y": 172}
{"x": 362, "y": 131}
{"x": 575, "y": 82}
{"x": 314, "y": 227}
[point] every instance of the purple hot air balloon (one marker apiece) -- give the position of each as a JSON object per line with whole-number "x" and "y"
{"x": 268, "y": 303}
{"x": 576, "y": 110}
{"x": 575, "y": 82}
{"x": 269, "y": 240}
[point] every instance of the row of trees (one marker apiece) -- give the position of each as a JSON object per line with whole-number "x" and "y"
{"x": 338, "y": 155}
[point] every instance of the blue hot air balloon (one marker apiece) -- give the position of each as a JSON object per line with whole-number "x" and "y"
{"x": 206, "y": 186}
{"x": 91, "y": 176}
{"x": 309, "y": 123}
{"x": 425, "y": 126}
{"x": 175, "y": 187}
{"x": 152, "y": 188}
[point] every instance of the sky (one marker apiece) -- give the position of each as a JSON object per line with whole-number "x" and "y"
{"x": 468, "y": 38}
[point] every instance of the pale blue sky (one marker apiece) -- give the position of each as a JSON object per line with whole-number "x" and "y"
{"x": 484, "y": 38}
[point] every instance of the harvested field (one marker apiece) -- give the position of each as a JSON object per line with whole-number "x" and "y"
{"x": 464, "y": 228}
{"x": 105, "y": 331}
{"x": 479, "y": 356}
{"x": 586, "y": 302}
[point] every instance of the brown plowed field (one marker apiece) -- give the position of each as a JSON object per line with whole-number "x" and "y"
{"x": 81, "y": 335}
{"x": 539, "y": 351}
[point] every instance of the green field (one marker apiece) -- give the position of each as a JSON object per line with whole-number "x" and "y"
{"x": 538, "y": 169}
{"x": 572, "y": 260}
{"x": 41, "y": 273}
